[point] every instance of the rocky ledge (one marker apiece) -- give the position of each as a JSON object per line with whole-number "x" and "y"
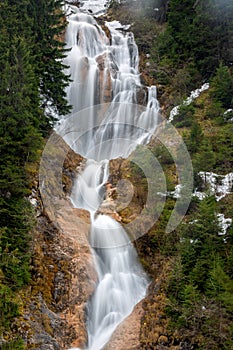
{"x": 63, "y": 273}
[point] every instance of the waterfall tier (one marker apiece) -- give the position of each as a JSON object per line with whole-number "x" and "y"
{"x": 106, "y": 122}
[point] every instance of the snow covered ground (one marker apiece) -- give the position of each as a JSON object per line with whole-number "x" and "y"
{"x": 224, "y": 223}
{"x": 194, "y": 94}
{"x": 218, "y": 185}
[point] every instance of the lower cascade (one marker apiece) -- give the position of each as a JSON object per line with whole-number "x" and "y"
{"x": 106, "y": 133}
{"x": 122, "y": 282}
{"x": 121, "y": 285}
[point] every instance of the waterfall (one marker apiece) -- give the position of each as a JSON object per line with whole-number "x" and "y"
{"x": 106, "y": 122}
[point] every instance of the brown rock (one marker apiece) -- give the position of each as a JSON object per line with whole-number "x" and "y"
{"x": 64, "y": 278}
{"x": 126, "y": 336}
{"x": 63, "y": 271}
{"x": 163, "y": 340}
{"x": 105, "y": 80}
{"x": 108, "y": 207}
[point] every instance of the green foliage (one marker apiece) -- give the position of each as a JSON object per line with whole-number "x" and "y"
{"x": 16, "y": 345}
{"x": 222, "y": 145}
{"x": 221, "y": 286}
{"x": 48, "y": 23}
{"x": 205, "y": 159}
{"x": 222, "y": 86}
{"x": 215, "y": 111}
{"x": 19, "y": 134}
{"x": 180, "y": 28}
{"x": 17, "y": 220}
{"x": 162, "y": 154}
{"x": 32, "y": 74}
{"x": 213, "y": 33}
{"x": 143, "y": 163}
{"x": 163, "y": 242}
{"x": 185, "y": 116}
{"x": 193, "y": 47}
{"x": 114, "y": 4}
{"x": 9, "y": 309}
{"x": 198, "y": 33}
{"x": 186, "y": 79}
{"x": 144, "y": 31}
{"x": 200, "y": 289}
{"x": 195, "y": 138}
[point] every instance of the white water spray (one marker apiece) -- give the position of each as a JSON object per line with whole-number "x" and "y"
{"x": 104, "y": 72}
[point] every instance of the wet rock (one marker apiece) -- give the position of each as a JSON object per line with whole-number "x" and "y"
{"x": 108, "y": 207}
{"x": 126, "y": 336}
{"x": 105, "y": 80}
{"x": 63, "y": 273}
{"x": 63, "y": 280}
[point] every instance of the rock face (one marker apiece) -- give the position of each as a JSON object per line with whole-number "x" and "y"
{"x": 63, "y": 280}
{"x": 105, "y": 81}
{"x": 63, "y": 273}
{"x": 127, "y": 334}
{"x": 74, "y": 228}
{"x": 108, "y": 206}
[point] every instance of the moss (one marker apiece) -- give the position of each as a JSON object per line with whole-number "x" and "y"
{"x": 46, "y": 322}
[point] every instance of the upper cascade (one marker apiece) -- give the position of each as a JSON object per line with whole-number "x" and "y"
{"x": 105, "y": 93}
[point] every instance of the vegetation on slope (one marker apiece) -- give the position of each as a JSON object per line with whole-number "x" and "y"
{"x": 31, "y": 78}
{"x": 192, "y": 45}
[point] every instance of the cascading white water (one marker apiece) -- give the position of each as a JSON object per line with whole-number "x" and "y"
{"x": 97, "y": 69}
{"x": 89, "y": 186}
{"x": 122, "y": 283}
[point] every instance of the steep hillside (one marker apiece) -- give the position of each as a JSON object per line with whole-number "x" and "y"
{"x": 189, "y": 305}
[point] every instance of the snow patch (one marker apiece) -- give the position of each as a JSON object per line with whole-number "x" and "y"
{"x": 177, "y": 192}
{"x": 224, "y": 223}
{"x": 173, "y": 194}
{"x": 228, "y": 111}
{"x": 194, "y": 94}
{"x": 226, "y": 114}
{"x": 219, "y": 185}
{"x": 199, "y": 195}
{"x": 94, "y": 7}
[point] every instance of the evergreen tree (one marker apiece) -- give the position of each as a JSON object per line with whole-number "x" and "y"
{"x": 20, "y": 113}
{"x": 201, "y": 243}
{"x": 213, "y": 30}
{"x": 31, "y": 67}
{"x": 48, "y": 25}
{"x": 198, "y": 32}
{"x": 222, "y": 86}
{"x": 205, "y": 158}
{"x": 180, "y": 28}
{"x": 195, "y": 138}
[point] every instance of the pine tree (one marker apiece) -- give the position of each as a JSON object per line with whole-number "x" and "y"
{"x": 222, "y": 86}
{"x": 180, "y": 28}
{"x": 213, "y": 29}
{"x": 48, "y": 25}
{"x": 205, "y": 158}
{"x": 201, "y": 243}
{"x": 20, "y": 113}
{"x": 195, "y": 139}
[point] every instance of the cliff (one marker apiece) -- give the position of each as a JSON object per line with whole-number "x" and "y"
{"x": 63, "y": 274}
